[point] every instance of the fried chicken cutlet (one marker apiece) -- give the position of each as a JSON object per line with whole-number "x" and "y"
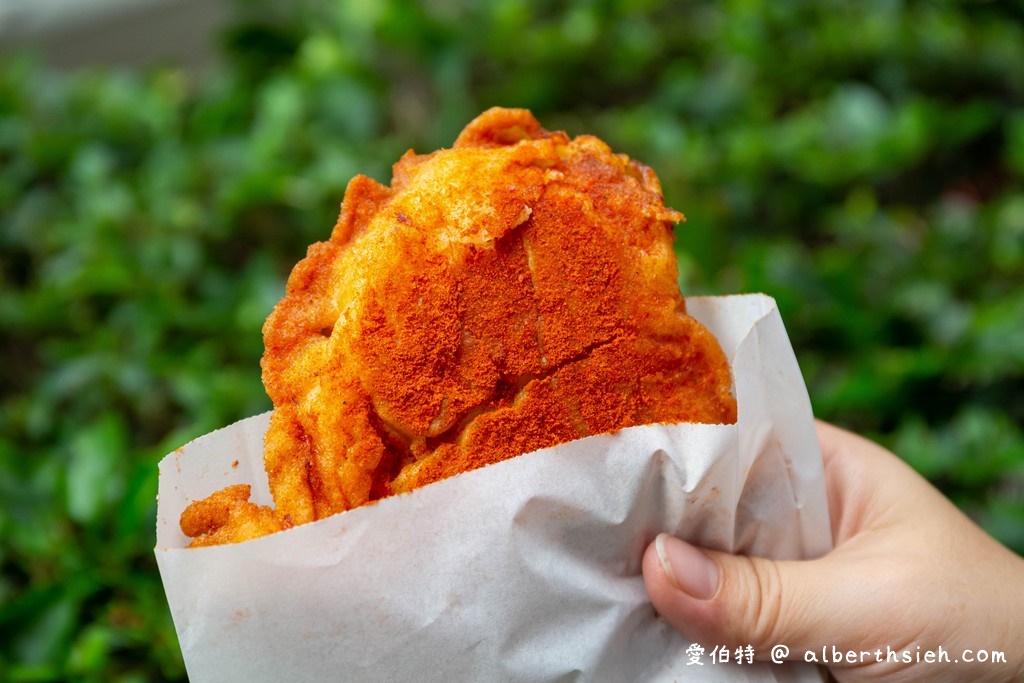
{"x": 514, "y": 292}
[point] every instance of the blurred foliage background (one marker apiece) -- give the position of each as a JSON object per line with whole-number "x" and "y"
{"x": 862, "y": 162}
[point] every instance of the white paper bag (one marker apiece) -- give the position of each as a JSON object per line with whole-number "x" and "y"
{"x": 526, "y": 570}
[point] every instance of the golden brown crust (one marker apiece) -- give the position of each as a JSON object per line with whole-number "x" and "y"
{"x": 511, "y": 293}
{"x": 227, "y": 516}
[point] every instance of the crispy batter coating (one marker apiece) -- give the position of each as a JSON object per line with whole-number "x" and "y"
{"x": 227, "y": 516}
{"x": 514, "y": 292}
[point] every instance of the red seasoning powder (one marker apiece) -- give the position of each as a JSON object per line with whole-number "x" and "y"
{"x": 514, "y": 292}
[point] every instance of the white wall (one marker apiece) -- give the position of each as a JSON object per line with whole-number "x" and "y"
{"x": 69, "y": 33}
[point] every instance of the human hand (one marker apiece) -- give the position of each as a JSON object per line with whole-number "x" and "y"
{"x": 909, "y": 573}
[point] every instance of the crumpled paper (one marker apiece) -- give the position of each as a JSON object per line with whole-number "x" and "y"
{"x": 526, "y": 570}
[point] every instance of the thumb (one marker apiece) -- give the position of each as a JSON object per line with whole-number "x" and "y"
{"x": 719, "y": 599}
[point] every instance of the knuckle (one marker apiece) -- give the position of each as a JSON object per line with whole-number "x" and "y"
{"x": 764, "y": 609}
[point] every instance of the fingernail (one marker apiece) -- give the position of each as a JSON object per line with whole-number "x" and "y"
{"x": 688, "y": 568}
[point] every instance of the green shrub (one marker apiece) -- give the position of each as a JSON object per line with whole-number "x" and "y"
{"x": 860, "y": 162}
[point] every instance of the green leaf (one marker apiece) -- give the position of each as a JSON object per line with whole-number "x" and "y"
{"x": 94, "y": 477}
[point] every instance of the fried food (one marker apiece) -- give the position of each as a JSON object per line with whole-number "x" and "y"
{"x": 514, "y": 292}
{"x": 227, "y": 516}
